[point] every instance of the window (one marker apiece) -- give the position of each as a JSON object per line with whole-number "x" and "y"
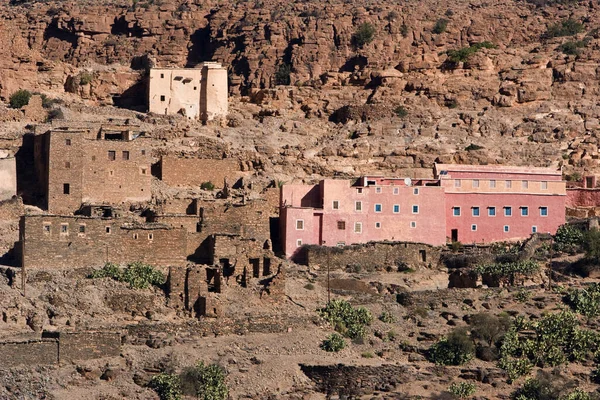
{"x": 64, "y": 229}
{"x": 162, "y": 98}
{"x": 125, "y": 155}
{"x": 507, "y": 211}
{"x": 534, "y": 229}
{"x": 143, "y": 152}
{"x": 377, "y": 208}
{"x": 93, "y": 158}
{"x": 112, "y": 155}
{"x": 416, "y": 191}
{"x": 162, "y": 76}
{"x": 135, "y": 236}
{"x": 544, "y": 211}
{"x": 457, "y": 183}
{"x": 378, "y": 190}
{"x": 195, "y": 87}
{"x": 151, "y": 236}
{"x": 525, "y": 184}
{"x": 299, "y": 224}
{"x": 67, "y": 164}
{"x": 415, "y": 209}
{"x": 358, "y": 206}
{"x": 396, "y": 191}
{"x": 66, "y": 188}
{"x": 143, "y": 171}
{"x": 473, "y": 227}
{"x": 475, "y": 183}
{"x": 475, "y": 211}
{"x": 108, "y": 229}
{"x": 456, "y": 211}
{"x": 358, "y": 227}
{"x": 524, "y": 211}
{"x": 335, "y": 205}
{"x": 81, "y": 228}
{"x": 544, "y": 185}
{"x": 111, "y": 173}
{"x": 298, "y": 242}
{"x": 68, "y": 142}
{"x": 359, "y": 191}
{"x": 506, "y": 228}
{"x": 377, "y": 225}
{"x": 492, "y": 184}
{"x": 491, "y": 211}
{"x": 46, "y": 228}
{"x": 508, "y": 184}
{"x": 396, "y": 208}
{"x": 341, "y": 225}
{"x": 413, "y": 224}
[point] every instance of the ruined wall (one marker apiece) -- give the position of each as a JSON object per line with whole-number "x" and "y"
{"x": 374, "y": 255}
{"x": 8, "y": 178}
{"x": 55, "y": 347}
{"x": 32, "y": 352}
{"x": 250, "y": 220}
{"x": 213, "y": 95}
{"x": 69, "y": 242}
{"x": 88, "y": 345}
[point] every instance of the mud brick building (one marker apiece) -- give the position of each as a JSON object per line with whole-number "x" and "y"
{"x": 106, "y": 166}
{"x": 64, "y": 241}
{"x": 199, "y": 92}
{"x": 467, "y": 203}
{"x": 8, "y": 177}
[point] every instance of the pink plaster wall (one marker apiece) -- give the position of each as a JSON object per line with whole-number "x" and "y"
{"x": 583, "y": 197}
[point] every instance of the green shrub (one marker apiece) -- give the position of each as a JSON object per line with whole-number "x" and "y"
{"x": 85, "y": 78}
{"x": 462, "y": 390}
{"x": 205, "y": 382}
{"x": 309, "y": 286}
{"x": 347, "y": 320}
{"x": 507, "y": 271}
{"x": 440, "y": 26}
{"x": 557, "y": 339}
{"x": 591, "y": 244}
{"x": 455, "y": 349}
{"x": 585, "y": 301}
{"x": 463, "y": 54}
{"x": 577, "y": 394}
{"x": 452, "y": 103}
{"x": 489, "y": 328}
{"x": 404, "y": 30}
{"x": 568, "y": 238}
{"x": 56, "y": 113}
{"x": 400, "y": 111}
{"x": 522, "y": 295}
{"x": 567, "y": 27}
{"x": 571, "y": 48}
{"x": 207, "y": 186}
{"x": 138, "y": 275}
{"x": 333, "y": 343}
{"x": 547, "y": 388}
{"x": 167, "y": 386}
{"x": 387, "y": 317}
{"x": 367, "y": 354}
{"x": 456, "y": 246}
{"x": 20, "y": 98}
{"x": 282, "y": 75}
{"x": 363, "y": 35}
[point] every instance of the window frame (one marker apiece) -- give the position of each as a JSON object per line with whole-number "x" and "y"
{"x": 125, "y": 155}
{"x": 544, "y": 185}
{"x": 506, "y": 228}
{"x": 508, "y": 184}
{"x": 490, "y": 209}
{"x": 454, "y": 211}
{"x": 492, "y": 184}
{"x": 301, "y": 222}
{"x": 507, "y": 211}
{"x": 416, "y": 191}
{"x": 475, "y": 208}
{"x": 457, "y": 183}
{"x": 524, "y": 211}
{"x": 542, "y": 210}
{"x": 396, "y": 209}
{"x": 475, "y": 183}
{"x": 358, "y": 206}
{"x": 378, "y": 207}
{"x": 112, "y": 155}
{"x": 335, "y": 204}
{"x": 358, "y": 227}
{"x": 341, "y": 225}
{"x": 473, "y": 227}
{"x": 377, "y": 225}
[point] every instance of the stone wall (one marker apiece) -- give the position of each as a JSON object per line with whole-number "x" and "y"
{"x": 60, "y": 347}
{"x": 374, "y": 255}
{"x": 250, "y": 220}
{"x": 195, "y": 171}
{"x": 51, "y": 241}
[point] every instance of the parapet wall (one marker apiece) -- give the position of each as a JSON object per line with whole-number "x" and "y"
{"x": 374, "y": 255}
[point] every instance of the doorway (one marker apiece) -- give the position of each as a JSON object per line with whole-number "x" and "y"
{"x": 454, "y": 235}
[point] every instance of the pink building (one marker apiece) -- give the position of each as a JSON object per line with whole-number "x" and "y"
{"x": 463, "y": 203}
{"x": 488, "y": 203}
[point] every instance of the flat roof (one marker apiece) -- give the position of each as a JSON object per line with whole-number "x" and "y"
{"x": 497, "y": 168}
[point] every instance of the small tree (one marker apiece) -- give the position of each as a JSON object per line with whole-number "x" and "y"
{"x": 440, "y": 26}
{"x": 455, "y": 349}
{"x": 206, "y": 382}
{"x": 20, "y": 98}
{"x": 363, "y": 35}
{"x": 400, "y": 112}
{"x": 462, "y": 390}
{"x": 207, "y": 186}
{"x": 167, "y": 386}
{"x": 282, "y": 75}
{"x": 334, "y": 343}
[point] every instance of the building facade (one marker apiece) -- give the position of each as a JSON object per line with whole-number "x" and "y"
{"x": 471, "y": 204}
{"x": 197, "y": 93}
{"x": 8, "y": 177}
{"x": 85, "y": 166}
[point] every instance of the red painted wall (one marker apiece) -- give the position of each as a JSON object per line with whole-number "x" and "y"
{"x": 583, "y": 198}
